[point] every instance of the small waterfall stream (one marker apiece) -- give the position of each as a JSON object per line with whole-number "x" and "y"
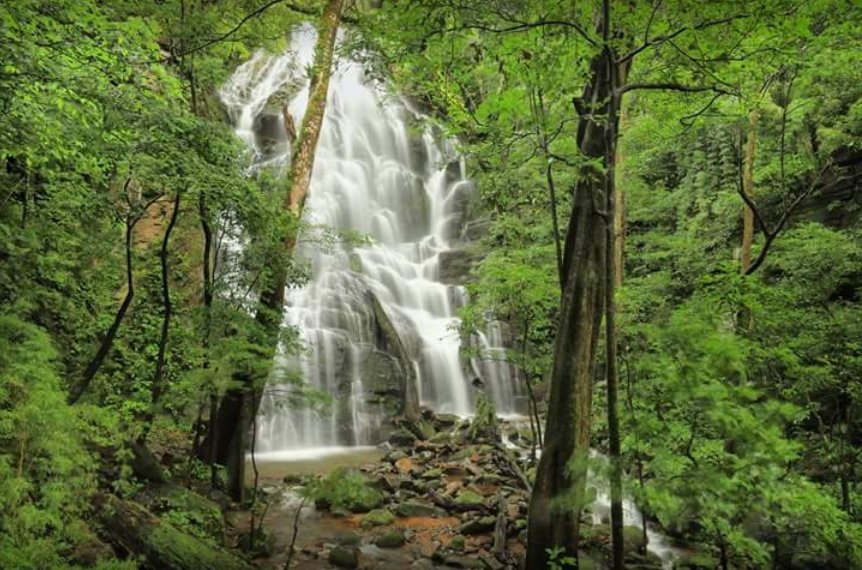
{"x": 379, "y": 173}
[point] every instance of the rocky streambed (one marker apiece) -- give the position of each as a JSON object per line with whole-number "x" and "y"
{"x": 439, "y": 495}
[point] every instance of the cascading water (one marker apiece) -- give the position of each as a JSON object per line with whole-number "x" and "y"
{"x": 377, "y": 173}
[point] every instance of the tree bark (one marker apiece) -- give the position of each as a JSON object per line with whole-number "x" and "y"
{"x": 158, "y": 376}
{"x": 612, "y": 256}
{"x": 132, "y": 528}
{"x": 748, "y": 189}
{"x": 563, "y": 465}
{"x": 107, "y": 343}
{"x": 235, "y": 412}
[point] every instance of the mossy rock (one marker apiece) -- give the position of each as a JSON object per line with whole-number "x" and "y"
{"x": 402, "y": 438}
{"x": 190, "y": 512}
{"x": 694, "y": 561}
{"x": 417, "y": 509}
{"x": 441, "y": 437}
{"x": 347, "y": 539}
{"x": 471, "y": 450}
{"x": 435, "y": 473}
{"x": 458, "y": 542}
{"x": 391, "y": 539}
{"x": 378, "y": 517}
{"x": 344, "y": 557}
{"x": 633, "y": 539}
{"x": 468, "y": 498}
{"x": 478, "y": 526}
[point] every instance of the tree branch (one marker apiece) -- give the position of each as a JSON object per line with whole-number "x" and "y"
{"x": 771, "y": 235}
{"x": 658, "y": 40}
{"x": 670, "y": 86}
{"x": 525, "y": 26}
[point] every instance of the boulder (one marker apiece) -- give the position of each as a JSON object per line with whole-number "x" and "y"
{"x": 402, "y": 438}
{"x": 391, "y": 539}
{"x": 417, "y": 509}
{"x": 344, "y": 557}
{"x": 469, "y": 499}
{"x": 378, "y": 517}
{"x": 478, "y": 526}
{"x": 457, "y": 264}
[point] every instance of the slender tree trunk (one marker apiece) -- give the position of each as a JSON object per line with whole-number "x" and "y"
{"x": 619, "y": 209}
{"x": 611, "y": 228}
{"x": 108, "y": 340}
{"x": 236, "y": 409}
{"x": 158, "y": 376}
{"x": 748, "y": 189}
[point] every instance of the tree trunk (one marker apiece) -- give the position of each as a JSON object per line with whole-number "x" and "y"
{"x": 612, "y": 256}
{"x": 108, "y": 340}
{"x": 132, "y": 528}
{"x": 619, "y": 209}
{"x": 159, "y": 374}
{"x": 235, "y": 412}
{"x": 748, "y": 189}
{"x": 563, "y": 466}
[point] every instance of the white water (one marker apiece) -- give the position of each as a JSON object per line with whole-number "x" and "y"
{"x": 380, "y": 174}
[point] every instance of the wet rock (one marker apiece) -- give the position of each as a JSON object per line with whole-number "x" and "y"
{"x": 417, "y": 509}
{"x": 378, "y": 517}
{"x": 391, "y": 539}
{"x": 478, "y": 526}
{"x": 456, "y": 265}
{"x": 348, "y": 539}
{"x": 445, "y": 421}
{"x": 633, "y": 539}
{"x": 344, "y": 557}
{"x": 395, "y": 455}
{"x": 402, "y": 438}
{"x": 422, "y": 564}
{"x": 475, "y": 229}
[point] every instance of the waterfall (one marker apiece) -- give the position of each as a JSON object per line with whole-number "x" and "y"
{"x": 380, "y": 173}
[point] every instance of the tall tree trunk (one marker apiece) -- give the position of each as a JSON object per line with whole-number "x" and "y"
{"x": 748, "y": 189}
{"x": 235, "y": 412}
{"x": 619, "y": 208}
{"x": 563, "y": 466}
{"x": 612, "y": 226}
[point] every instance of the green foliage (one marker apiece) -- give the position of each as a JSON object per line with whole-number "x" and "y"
{"x": 344, "y": 489}
{"x": 45, "y": 472}
{"x": 557, "y": 560}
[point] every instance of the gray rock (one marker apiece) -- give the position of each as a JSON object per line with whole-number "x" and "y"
{"x": 344, "y": 557}
{"x": 391, "y": 539}
{"x": 478, "y": 526}
{"x": 417, "y": 509}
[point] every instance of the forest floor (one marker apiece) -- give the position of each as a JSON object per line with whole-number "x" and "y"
{"x": 444, "y": 502}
